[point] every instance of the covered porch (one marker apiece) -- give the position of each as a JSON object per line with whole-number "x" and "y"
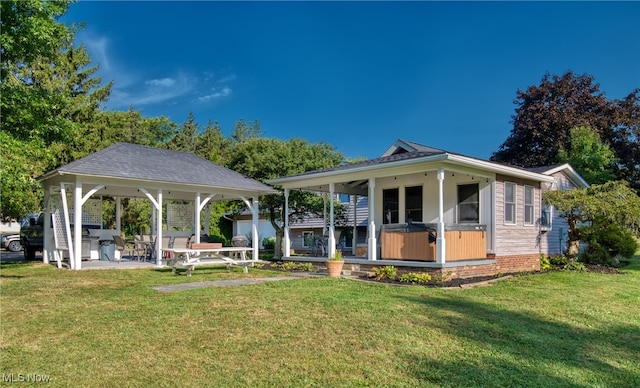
{"x": 427, "y": 208}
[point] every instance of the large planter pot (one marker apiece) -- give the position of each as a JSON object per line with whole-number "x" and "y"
{"x": 334, "y": 267}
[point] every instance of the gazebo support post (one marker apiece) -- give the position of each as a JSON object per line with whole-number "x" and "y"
{"x": 285, "y": 220}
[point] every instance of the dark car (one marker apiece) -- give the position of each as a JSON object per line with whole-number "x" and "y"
{"x": 31, "y": 235}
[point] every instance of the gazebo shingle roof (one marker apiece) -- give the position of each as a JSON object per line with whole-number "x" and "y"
{"x": 131, "y": 161}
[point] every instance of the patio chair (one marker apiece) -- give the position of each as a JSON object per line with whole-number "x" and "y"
{"x": 121, "y": 246}
{"x": 180, "y": 242}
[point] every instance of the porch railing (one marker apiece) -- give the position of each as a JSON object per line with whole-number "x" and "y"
{"x": 418, "y": 242}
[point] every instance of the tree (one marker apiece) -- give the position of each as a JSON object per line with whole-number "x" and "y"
{"x": 585, "y": 152}
{"x": 211, "y": 144}
{"x": 243, "y": 131}
{"x": 184, "y": 138}
{"x": 264, "y": 158}
{"x": 546, "y": 113}
{"x": 47, "y": 92}
{"x": 596, "y": 207}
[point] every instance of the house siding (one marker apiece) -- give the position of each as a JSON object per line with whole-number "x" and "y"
{"x": 554, "y": 241}
{"x": 517, "y": 239}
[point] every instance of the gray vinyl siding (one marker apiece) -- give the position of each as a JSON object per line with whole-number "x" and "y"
{"x": 554, "y": 241}
{"x": 518, "y": 238}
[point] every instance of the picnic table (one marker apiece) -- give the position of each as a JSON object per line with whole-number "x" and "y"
{"x": 200, "y": 254}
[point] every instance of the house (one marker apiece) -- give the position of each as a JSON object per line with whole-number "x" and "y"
{"x": 444, "y": 212}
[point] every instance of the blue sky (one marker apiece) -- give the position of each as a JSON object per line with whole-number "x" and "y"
{"x": 357, "y": 75}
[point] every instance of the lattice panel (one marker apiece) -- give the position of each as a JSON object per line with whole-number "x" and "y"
{"x": 59, "y": 225}
{"x": 180, "y": 216}
{"x": 91, "y": 212}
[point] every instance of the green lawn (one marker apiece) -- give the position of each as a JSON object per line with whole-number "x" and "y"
{"x": 110, "y": 328}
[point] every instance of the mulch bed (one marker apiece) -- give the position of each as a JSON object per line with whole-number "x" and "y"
{"x": 467, "y": 282}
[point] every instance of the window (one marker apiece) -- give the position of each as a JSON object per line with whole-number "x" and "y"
{"x": 413, "y": 203}
{"x": 344, "y": 198}
{"x": 509, "y": 203}
{"x": 528, "y": 205}
{"x": 390, "y": 198}
{"x": 307, "y": 239}
{"x": 468, "y": 204}
{"x": 547, "y": 216}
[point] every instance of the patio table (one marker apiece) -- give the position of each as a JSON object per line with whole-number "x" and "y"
{"x": 189, "y": 258}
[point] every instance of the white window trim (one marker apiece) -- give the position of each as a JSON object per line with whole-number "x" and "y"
{"x": 533, "y": 205}
{"x": 458, "y": 204}
{"x": 515, "y": 204}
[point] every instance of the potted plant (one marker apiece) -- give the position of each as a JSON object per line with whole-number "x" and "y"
{"x": 334, "y": 264}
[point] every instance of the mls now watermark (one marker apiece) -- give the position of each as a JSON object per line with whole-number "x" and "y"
{"x": 24, "y": 378}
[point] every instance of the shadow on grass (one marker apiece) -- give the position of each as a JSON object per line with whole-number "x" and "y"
{"x": 519, "y": 349}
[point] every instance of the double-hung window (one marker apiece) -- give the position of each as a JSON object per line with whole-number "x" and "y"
{"x": 528, "y": 205}
{"x": 468, "y": 204}
{"x": 390, "y": 206}
{"x": 510, "y": 202}
{"x": 413, "y": 203}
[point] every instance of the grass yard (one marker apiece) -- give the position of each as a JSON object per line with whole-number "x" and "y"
{"x": 109, "y": 328}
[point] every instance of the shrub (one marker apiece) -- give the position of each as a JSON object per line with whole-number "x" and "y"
{"x": 606, "y": 242}
{"x": 575, "y": 266}
{"x": 266, "y": 256}
{"x": 595, "y": 254}
{"x": 306, "y": 267}
{"x": 441, "y": 278}
{"x": 288, "y": 266}
{"x": 386, "y": 272}
{"x": 415, "y": 278}
{"x": 545, "y": 264}
{"x": 269, "y": 242}
{"x": 558, "y": 260}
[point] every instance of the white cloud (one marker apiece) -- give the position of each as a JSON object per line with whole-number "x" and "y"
{"x": 217, "y": 94}
{"x": 163, "y": 82}
{"x": 97, "y": 48}
{"x": 226, "y": 79}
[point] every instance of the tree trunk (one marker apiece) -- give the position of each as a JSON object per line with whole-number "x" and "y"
{"x": 573, "y": 243}
{"x": 277, "y": 249}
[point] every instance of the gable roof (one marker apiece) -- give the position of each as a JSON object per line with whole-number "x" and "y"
{"x": 566, "y": 169}
{"x": 141, "y": 163}
{"x": 402, "y": 146}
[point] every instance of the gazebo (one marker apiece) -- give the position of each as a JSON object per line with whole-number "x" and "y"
{"x": 125, "y": 170}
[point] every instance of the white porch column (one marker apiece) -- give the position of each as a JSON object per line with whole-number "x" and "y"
{"x": 440, "y": 240}
{"x": 157, "y": 215}
{"x": 76, "y": 256}
{"x": 47, "y": 235}
{"x": 332, "y": 236}
{"x": 354, "y": 237}
{"x": 373, "y": 243}
{"x": 199, "y": 206}
{"x": 285, "y": 219}
{"x": 255, "y": 244}
{"x": 207, "y": 217}
{"x": 196, "y": 210}
{"x": 119, "y": 215}
{"x": 159, "y": 229}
